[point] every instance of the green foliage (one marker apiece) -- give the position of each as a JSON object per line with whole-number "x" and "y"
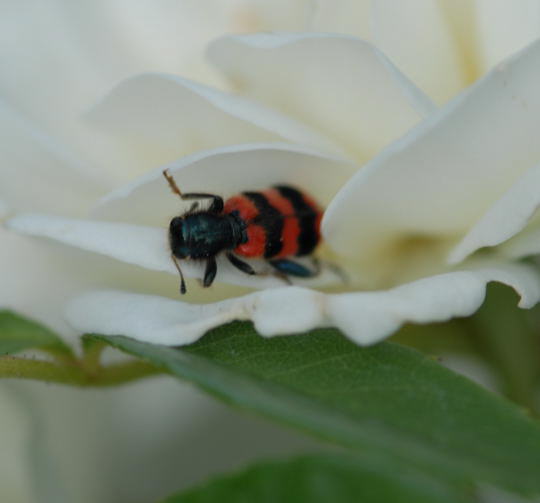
{"x": 501, "y": 336}
{"x": 388, "y": 403}
{"x": 508, "y": 339}
{"x": 322, "y": 479}
{"x": 413, "y": 430}
{"x": 18, "y": 333}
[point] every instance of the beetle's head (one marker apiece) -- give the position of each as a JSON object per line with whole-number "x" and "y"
{"x": 177, "y": 237}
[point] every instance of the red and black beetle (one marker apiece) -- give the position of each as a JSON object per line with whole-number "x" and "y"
{"x": 274, "y": 224}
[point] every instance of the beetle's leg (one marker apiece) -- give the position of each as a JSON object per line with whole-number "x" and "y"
{"x": 282, "y": 276}
{"x": 333, "y": 268}
{"x": 217, "y": 202}
{"x": 338, "y": 271}
{"x": 209, "y": 272}
{"x": 182, "y": 281}
{"x": 240, "y": 264}
{"x": 291, "y": 268}
{"x": 171, "y": 182}
{"x": 317, "y": 267}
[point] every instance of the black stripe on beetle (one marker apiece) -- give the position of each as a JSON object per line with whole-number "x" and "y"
{"x": 307, "y": 219}
{"x": 270, "y": 219}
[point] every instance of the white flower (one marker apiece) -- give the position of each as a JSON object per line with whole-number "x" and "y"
{"x": 442, "y": 45}
{"x": 56, "y": 57}
{"x": 405, "y": 221}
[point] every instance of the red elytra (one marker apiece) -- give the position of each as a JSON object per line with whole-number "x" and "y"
{"x": 293, "y": 223}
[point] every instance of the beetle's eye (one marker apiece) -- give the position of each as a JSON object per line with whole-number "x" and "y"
{"x": 176, "y": 225}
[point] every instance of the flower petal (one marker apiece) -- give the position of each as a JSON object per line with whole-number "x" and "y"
{"x": 352, "y": 17}
{"x": 77, "y": 51}
{"x": 143, "y": 246}
{"x": 368, "y": 317}
{"x": 59, "y": 57}
{"x": 27, "y": 274}
{"x": 509, "y": 215}
{"x": 134, "y": 244}
{"x": 37, "y": 172}
{"x": 160, "y": 118}
{"x": 421, "y": 39}
{"x": 225, "y": 171}
{"x": 443, "y": 46}
{"x": 3, "y": 209}
{"x": 365, "y": 317}
{"x": 39, "y": 277}
{"x": 166, "y": 321}
{"x": 340, "y": 86}
{"x": 504, "y": 28}
{"x": 524, "y": 279}
{"x": 448, "y": 171}
{"x": 525, "y": 244}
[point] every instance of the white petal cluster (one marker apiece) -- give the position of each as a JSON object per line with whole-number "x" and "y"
{"x": 427, "y": 200}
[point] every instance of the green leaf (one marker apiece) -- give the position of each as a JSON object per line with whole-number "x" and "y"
{"x": 321, "y": 479}
{"x": 387, "y": 402}
{"x": 438, "y": 338}
{"x": 509, "y": 339}
{"x": 18, "y": 333}
{"x": 502, "y": 336}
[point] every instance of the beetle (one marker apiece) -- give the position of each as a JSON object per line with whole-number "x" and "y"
{"x": 274, "y": 224}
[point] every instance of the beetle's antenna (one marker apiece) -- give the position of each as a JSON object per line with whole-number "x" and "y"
{"x": 171, "y": 182}
{"x": 182, "y": 281}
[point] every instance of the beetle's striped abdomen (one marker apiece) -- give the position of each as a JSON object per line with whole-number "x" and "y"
{"x": 281, "y": 222}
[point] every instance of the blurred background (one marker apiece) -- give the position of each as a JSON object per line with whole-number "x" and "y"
{"x": 137, "y": 443}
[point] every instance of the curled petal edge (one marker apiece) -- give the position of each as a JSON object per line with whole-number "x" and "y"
{"x": 122, "y": 111}
{"x": 364, "y": 317}
{"x": 509, "y": 215}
